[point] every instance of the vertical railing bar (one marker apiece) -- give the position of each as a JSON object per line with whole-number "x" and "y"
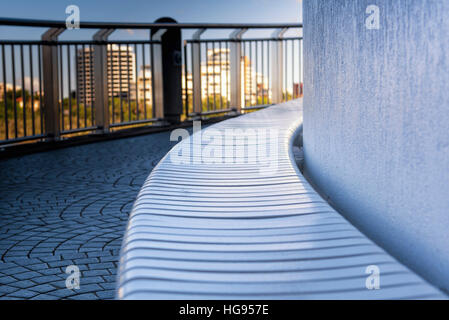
{"x": 112, "y": 84}
{"x": 84, "y": 85}
{"x": 260, "y": 45}
{"x": 264, "y": 43}
{"x": 120, "y": 80}
{"x": 5, "y": 100}
{"x": 92, "y": 85}
{"x": 244, "y": 72}
{"x": 263, "y": 71}
{"x": 129, "y": 81}
{"x": 193, "y": 84}
{"x": 32, "y": 88}
{"x": 257, "y": 71}
{"x": 151, "y": 58}
{"x": 207, "y": 74}
{"x": 40, "y": 87}
{"x": 61, "y": 89}
{"x": 250, "y": 44}
{"x": 69, "y": 74}
{"x": 286, "y": 68}
{"x": 228, "y": 76}
{"x": 268, "y": 72}
{"x": 186, "y": 92}
{"x": 137, "y": 83}
{"x": 293, "y": 68}
{"x": 77, "y": 87}
{"x": 144, "y": 85}
{"x": 213, "y": 73}
{"x": 299, "y": 67}
{"x": 221, "y": 78}
{"x": 14, "y": 88}
{"x": 22, "y": 73}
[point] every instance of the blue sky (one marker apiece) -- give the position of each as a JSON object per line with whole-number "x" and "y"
{"x": 244, "y": 11}
{"x": 149, "y": 10}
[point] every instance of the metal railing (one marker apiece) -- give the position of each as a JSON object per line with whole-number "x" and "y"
{"x": 52, "y": 89}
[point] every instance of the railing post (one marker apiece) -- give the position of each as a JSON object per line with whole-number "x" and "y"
{"x": 168, "y": 67}
{"x": 277, "y": 66}
{"x": 157, "y": 76}
{"x": 196, "y": 72}
{"x": 237, "y": 89}
{"x": 51, "y": 83}
{"x": 100, "y": 66}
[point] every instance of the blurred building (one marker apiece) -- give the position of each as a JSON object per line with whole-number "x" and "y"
{"x": 144, "y": 84}
{"x": 216, "y": 82}
{"x": 121, "y": 72}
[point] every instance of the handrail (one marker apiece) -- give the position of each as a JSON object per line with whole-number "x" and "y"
{"x": 242, "y": 39}
{"x": 143, "y": 25}
{"x": 100, "y": 85}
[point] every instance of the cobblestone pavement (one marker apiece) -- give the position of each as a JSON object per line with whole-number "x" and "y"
{"x": 70, "y": 207}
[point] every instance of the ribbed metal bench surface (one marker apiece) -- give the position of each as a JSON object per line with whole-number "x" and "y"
{"x": 224, "y": 231}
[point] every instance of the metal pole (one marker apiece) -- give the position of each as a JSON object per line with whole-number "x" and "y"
{"x": 51, "y": 83}
{"x": 171, "y": 59}
{"x": 277, "y": 66}
{"x": 101, "y": 101}
{"x": 237, "y": 95}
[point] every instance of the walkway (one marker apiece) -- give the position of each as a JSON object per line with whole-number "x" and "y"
{"x": 70, "y": 206}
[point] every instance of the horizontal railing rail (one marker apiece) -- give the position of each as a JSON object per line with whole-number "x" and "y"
{"x": 143, "y": 25}
{"x": 54, "y": 89}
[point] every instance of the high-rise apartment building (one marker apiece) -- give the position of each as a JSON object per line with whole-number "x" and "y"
{"x": 216, "y": 82}
{"x": 144, "y": 84}
{"x": 121, "y": 72}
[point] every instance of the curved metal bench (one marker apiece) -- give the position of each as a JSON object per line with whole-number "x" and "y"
{"x": 223, "y": 231}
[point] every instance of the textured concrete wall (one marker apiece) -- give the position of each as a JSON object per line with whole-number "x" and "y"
{"x": 376, "y": 122}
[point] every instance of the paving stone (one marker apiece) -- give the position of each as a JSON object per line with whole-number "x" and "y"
{"x": 47, "y": 279}
{"x": 109, "y": 259}
{"x": 43, "y": 288}
{"x": 14, "y": 270}
{"x": 45, "y": 297}
{"x": 50, "y": 271}
{"x": 27, "y": 275}
{"x": 89, "y": 280}
{"x": 106, "y": 294}
{"x": 101, "y": 266}
{"x": 63, "y": 263}
{"x": 86, "y": 261}
{"x": 4, "y": 289}
{"x": 62, "y": 293}
{"x": 90, "y": 273}
{"x": 23, "y": 294}
{"x": 108, "y": 285}
{"x": 6, "y": 280}
{"x": 84, "y": 296}
{"x": 62, "y": 206}
{"x": 93, "y": 287}
{"x": 75, "y": 255}
{"x": 23, "y": 284}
